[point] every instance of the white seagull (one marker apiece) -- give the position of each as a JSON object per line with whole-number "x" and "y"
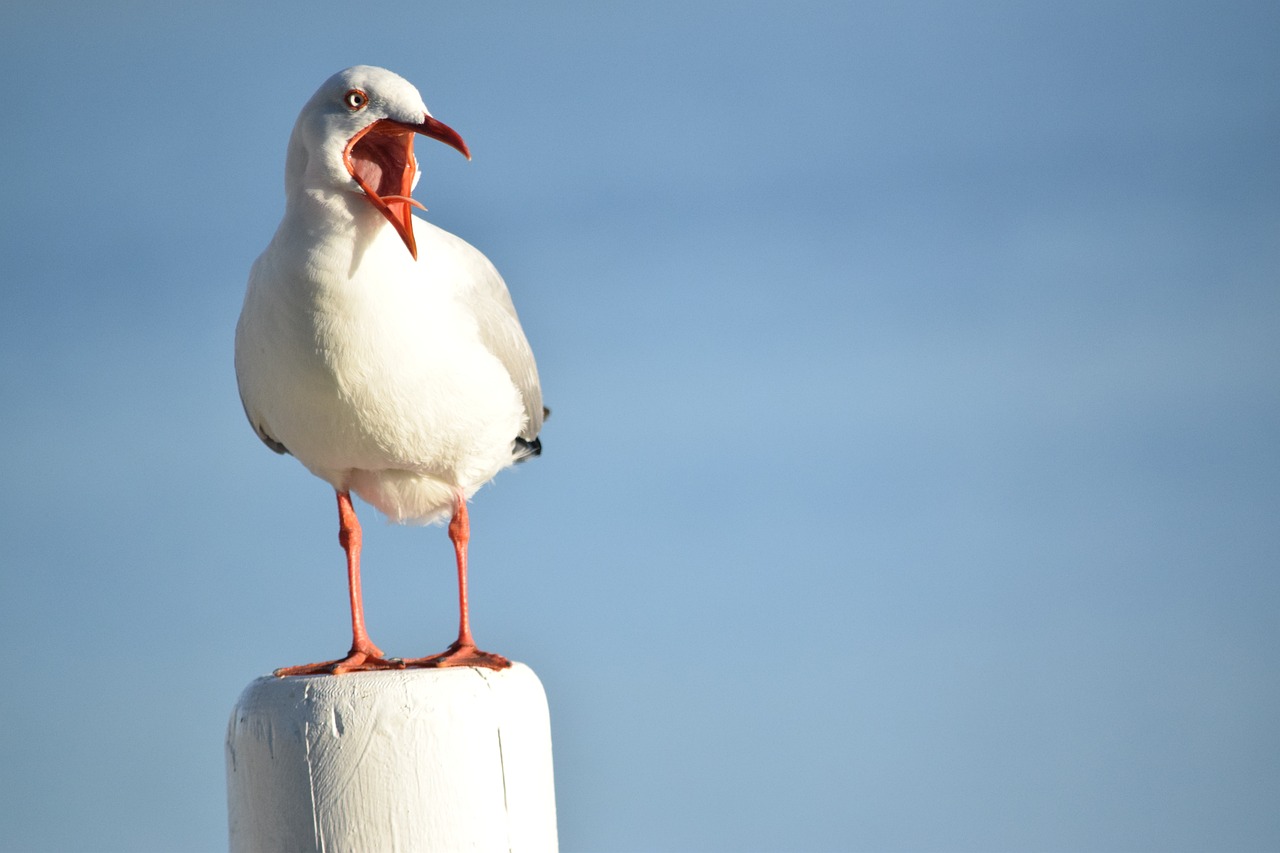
{"x": 382, "y": 352}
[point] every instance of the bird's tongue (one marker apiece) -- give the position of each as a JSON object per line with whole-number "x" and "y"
{"x": 381, "y": 160}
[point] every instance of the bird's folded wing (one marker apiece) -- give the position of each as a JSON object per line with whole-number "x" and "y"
{"x": 500, "y": 332}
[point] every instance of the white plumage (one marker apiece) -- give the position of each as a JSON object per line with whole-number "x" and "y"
{"x": 382, "y": 352}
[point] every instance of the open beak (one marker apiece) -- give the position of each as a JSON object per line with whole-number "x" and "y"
{"x": 380, "y": 158}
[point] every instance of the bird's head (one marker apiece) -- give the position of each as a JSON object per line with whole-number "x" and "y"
{"x": 356, "y": 134}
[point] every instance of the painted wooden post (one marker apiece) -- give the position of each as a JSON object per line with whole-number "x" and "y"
{"x": 426, "y": 759}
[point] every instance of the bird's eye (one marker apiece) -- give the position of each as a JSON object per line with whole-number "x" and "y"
{"x": 355, "y": 100}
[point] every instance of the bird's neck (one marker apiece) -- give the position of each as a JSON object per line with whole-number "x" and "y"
{"x": 328, "y": 212}
{"x": 334, "y": 230}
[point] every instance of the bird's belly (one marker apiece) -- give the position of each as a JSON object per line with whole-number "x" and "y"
{"x": 404, "y": 407}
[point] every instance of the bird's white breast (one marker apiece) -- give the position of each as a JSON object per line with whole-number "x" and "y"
{"x": 369, "y": 368}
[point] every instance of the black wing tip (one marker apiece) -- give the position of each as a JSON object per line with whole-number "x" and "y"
{"x": 524, "y": 449}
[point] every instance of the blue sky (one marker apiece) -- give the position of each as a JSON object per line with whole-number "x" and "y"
{"x": 913, "y": 477}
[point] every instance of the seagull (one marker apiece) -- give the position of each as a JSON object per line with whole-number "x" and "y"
{"x": 381, "y": 351}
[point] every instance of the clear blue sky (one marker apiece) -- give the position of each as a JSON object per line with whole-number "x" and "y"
{"x": 914, "y": 475}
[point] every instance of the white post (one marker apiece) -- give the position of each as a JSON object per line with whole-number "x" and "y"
{"x": 424, "y": 759}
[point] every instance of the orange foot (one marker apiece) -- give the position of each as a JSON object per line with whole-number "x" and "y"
{"x": 360, "y": 659}
{"x": 460, "y": 654}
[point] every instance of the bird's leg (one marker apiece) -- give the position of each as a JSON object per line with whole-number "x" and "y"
{"x": 364, "y": 655}
{"x": 460, "y": 535}
{"x": 463, "y": 652}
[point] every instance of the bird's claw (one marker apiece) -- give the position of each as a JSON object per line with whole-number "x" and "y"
{"x": 359, "y": 660}
{"x": 460, "y": 655}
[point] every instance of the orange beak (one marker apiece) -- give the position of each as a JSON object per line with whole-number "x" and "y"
{"x": 380, "y": 158}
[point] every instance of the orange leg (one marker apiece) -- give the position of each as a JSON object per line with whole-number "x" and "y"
{"x": 463, "y": 652}
{"x": 364, "y": 655}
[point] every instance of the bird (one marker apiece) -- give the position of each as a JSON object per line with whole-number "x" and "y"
{"x": 379, "y": 350}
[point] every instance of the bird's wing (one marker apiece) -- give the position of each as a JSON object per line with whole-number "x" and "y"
{"x": 254, "y": 420}
{"x": 486, "y": 297}
{"x": 502, "y": 335}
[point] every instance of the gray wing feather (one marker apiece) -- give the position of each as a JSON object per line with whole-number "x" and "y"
{"x": 502, "y": 335}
